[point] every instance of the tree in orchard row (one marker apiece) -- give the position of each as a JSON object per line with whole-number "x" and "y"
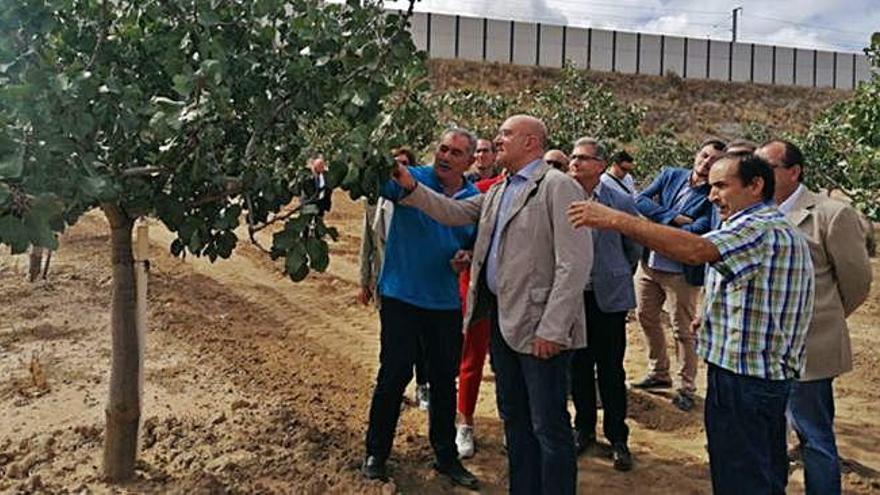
{"x": 843, "y": 143}
{"x": 198, "y": 113}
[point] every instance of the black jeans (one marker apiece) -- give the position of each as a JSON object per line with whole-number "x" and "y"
{"x": 745, "y": 429}
{"x": 402, "y": 326}
{"x": 532, "y": 399}
{"x": 606, "y": 345}
{"x": 421, "y": 363}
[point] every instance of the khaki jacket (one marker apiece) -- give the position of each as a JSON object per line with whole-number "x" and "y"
{"x": 843, "y": 278}
{"x": 544, "y": 262}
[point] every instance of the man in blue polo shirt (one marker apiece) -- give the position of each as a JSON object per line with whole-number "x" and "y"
{"x": 419, "y": 300}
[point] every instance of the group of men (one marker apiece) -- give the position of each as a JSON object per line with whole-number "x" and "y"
{"x": 540, "y": 264}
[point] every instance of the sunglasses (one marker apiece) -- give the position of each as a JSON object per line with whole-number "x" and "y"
{"x": 556, "y": 164}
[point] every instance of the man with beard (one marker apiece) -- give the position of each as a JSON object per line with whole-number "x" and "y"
{"x": 677, "y": 198}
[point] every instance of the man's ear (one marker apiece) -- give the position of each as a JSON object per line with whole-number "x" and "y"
{"x": 757, "y": 186}
{"x": 800, "y": 172}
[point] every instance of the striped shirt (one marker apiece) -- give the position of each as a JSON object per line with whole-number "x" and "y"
{"x": 758, "y": 298}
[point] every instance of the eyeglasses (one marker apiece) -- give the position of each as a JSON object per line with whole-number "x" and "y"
{"x": 586, "y": 158}
{"x": 556, "y": 163}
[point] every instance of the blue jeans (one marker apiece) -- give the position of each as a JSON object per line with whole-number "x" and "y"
{"x": 532, "y": 397}
{"x": 745, "y": 427}
{"x": 811, "y": 413}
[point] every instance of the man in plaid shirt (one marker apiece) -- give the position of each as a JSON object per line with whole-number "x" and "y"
{"x": 757, "y": 305}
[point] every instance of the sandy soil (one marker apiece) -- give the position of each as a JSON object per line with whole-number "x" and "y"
{"x": 256, "y": 384}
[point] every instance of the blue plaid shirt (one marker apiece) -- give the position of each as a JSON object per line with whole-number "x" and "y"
{"x": 758, "y": 298}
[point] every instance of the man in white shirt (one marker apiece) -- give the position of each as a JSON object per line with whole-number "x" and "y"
{"x": 619, "y": 175}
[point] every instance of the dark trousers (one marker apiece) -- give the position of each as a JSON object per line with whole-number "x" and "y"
{"x": 402, "y": 326}
{"x": 606, "y": 345}
{"x": 421, "y": 363}
{"x": 532, "y": 401}
{"x": 745, "y": 428}
{"x": 811, "y": 413}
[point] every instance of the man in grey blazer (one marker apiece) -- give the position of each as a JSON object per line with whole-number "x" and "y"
{"x": 843, "y": 279}
{"x": 608, "y": 296}
{"x": 528, "y": 273}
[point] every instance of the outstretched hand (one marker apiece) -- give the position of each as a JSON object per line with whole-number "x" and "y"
{"x": 590, "y": 214}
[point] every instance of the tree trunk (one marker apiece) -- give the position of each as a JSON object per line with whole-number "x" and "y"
{"x": 35, "y": 263}
{"x": 123, "y": 409}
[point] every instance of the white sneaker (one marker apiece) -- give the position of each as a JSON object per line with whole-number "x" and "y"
{"x": 422, "y": 397}
{"x": 464, "y": 440}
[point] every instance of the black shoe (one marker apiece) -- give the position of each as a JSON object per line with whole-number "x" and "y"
{"x": 374, "y": 469}
{"x": 649, "y": 382}
{"x": 684, "y": 401}
{"x": 583, "y": 441}
{"x": 623, "y": 460}
{"x": 458, "y": 474}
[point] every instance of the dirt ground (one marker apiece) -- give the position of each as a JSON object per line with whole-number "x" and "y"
{"x": 254, "y": 384}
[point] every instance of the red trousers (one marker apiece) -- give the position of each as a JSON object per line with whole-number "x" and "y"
{"x": 470, "y": 371}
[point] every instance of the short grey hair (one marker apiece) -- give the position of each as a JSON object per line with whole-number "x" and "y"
{"x": 459, "y": 131}
{"x": 601, "y": 152}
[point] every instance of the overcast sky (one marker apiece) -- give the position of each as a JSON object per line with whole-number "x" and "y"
{"x": 825, "y": 24}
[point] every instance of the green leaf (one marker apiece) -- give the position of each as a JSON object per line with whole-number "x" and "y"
{"x": 5, "y": 193}
{"x": 208, "y": 18}
{"x": 11, "y": 166}
{"x": 182, "y": 84}
{"x": 295, "y": 259}
{"x": 14, "y": 233}
{"x": 319, "y": 254}
{"x": 96, "y": 188}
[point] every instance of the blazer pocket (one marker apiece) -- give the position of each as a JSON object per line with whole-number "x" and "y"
{"x": 539, "y": 295}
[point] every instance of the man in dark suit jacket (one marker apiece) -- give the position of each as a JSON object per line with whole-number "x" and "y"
{"x": 322, "y": 193}
{"x": 608, "y": 296}
{"x": 678, "y": 198}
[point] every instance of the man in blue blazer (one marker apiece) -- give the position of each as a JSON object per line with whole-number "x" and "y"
{"x": 608, "y": 296}
{"x": 678, "y": 198}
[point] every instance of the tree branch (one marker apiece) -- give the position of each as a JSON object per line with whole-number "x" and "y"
{"x": 142, "y": 171}
{"x": 250, "y": 221}
{"x": 105, "y": 27}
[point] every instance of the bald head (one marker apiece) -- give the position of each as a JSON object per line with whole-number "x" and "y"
{"x": 521, "y": 140}
{"x": 557, "y": 159}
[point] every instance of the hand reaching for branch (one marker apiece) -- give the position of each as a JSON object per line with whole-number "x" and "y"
{"x": 403, "y": 178}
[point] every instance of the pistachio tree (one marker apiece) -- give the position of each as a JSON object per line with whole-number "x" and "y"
{"x": 199, "y": 113}
{"x": 842, "y": 146}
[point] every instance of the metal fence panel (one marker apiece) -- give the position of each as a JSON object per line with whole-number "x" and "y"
{"x": 498, "y": 41}
{"x": 442, "y": 36}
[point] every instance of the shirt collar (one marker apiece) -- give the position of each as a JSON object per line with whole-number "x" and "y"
{"x": 597, "y": 189}
{"x": 749, "y": 210}
{"x": 789, "y": 202}
{"x": 526, "y": 172}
